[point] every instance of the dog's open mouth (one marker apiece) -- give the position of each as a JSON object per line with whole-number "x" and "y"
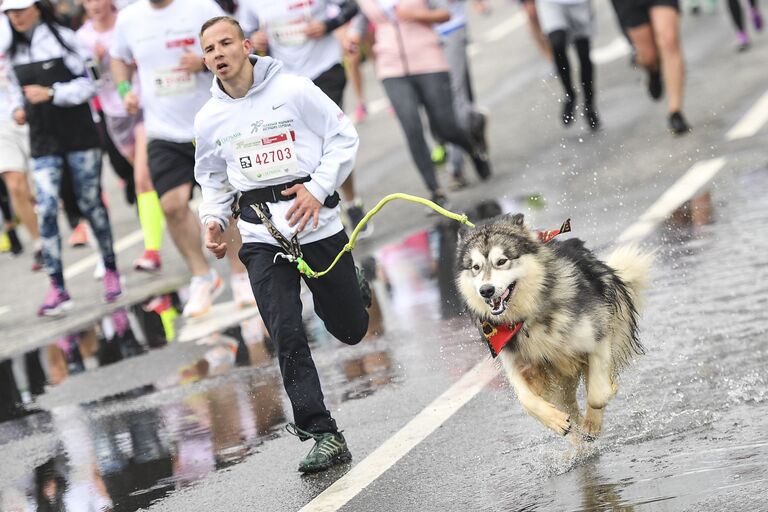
{"x": 499, "y": 304}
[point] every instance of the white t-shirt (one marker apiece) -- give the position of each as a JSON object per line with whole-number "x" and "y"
{"x": 284, "y": 22}
{"x": 156, "y": 39}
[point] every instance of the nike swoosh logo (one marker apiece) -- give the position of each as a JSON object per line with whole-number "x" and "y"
{"x": 275, "y": 107}
{"x": 47, "y": 65}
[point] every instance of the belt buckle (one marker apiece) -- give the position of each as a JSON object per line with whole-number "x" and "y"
{"x": 274, "y": 195}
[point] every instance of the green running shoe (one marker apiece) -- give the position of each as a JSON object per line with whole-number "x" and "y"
{"x": 438, "y": 155}
{"x": 330, "y": 449}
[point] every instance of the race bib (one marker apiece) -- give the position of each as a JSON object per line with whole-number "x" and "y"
{"x": 290, "y": 33}
{"x": 266, "y": 158}
{"x": 173, "y": 81}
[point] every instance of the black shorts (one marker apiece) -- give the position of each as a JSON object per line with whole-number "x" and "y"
{"x": 634, "y": 13}
{"x": 171, "y": 164}
{"x": 332, "y": 82}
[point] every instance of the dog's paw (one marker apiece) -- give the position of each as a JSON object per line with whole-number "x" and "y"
{"x": 557, "y": 420}
{"x": 593, "y": 423}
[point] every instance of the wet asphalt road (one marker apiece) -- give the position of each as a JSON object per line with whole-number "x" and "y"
{"x": 167, "y": 431}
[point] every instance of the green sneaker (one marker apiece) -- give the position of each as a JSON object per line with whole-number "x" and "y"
{"x": 438, "y": 155}
{"x": 330, "y": 449}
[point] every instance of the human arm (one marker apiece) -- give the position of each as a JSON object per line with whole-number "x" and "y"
{"x": 348, "y": 9}
{"x": 121, "y": 67}
{"x": 73, "y": 92}
{"x": 436, "y": 11}
{"x": 340, "y": 140}
{"x": 211, "y": 175}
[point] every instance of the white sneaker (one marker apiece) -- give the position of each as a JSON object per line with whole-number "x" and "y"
{"x": 242, "y": 292}
{"x": 99, "y": 271}
{"x": 202, "y": 292}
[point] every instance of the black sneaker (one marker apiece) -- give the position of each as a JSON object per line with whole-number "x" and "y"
{"x": 655, "y": 86}
{"x": 677, "y": 124}
{"x": 590, "y": 115}
{"x": 478, "y": 121}
{"x": 330, "y": 449}
{"x": 365, "y": 288}
{"x": 482, "y": 165}
{"x": 569, "y": 105}
{"x": 355, "y": 214}
{"x": 13, "y": 238}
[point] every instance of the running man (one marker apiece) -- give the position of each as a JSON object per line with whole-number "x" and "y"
{"x": 654, "y": 28}
{"x": 161, "y": 37}
{"x": 300, "y": 35}
{"x": 286, "y": 147}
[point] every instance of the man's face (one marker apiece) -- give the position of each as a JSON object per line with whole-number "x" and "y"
{"x": 224, "y": 51}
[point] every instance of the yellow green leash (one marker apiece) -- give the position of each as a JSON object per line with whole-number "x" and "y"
{"x": 305, "y": 269}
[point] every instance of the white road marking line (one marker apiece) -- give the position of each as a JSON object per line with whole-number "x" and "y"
{"x": 439, "y": 411}
{"x": 89, "y": 261}
{"x": 4, "y": 309}
{"x": 505, "y": 28}
{"x": 752, "y": 121}
{"x": 120, "y": 245}
{"x": 384, "y": 457}
{"x": 616, "y": 49}
{"x": 682, "y": 190}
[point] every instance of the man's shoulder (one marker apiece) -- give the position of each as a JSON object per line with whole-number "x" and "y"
{"x": 133, "y": 13}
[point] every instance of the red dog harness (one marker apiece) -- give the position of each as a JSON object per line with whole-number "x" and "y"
{"x": 498, "y": 336}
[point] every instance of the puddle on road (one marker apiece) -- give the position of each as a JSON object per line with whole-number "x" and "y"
{"x": 125, "y": 450}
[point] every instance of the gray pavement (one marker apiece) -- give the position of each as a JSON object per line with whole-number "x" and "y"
{"x": 166, "y": 431}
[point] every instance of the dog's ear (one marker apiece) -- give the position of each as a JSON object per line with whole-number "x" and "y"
{"x": 461, "y": 235}
{"x": 517, "y": 219}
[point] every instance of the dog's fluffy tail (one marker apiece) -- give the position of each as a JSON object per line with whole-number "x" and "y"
{"x": 633, "y": 265}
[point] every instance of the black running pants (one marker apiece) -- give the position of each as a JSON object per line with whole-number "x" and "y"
{"x": 338, "y": 302}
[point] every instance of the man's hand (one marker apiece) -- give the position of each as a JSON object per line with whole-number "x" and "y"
{"x": 315, "y": 29}
{"x": 191, "y": 62}
{"x": 304, "y": 207}
{"x": 131, "y": 103}
{"x": 213, "y": 240}
{"x": 20, "y": 115}
{"x": 37, "y": 94}
{"x": 260, "y": 42}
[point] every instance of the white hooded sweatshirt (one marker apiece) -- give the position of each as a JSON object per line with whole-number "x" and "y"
{"x": 284, "y": 128}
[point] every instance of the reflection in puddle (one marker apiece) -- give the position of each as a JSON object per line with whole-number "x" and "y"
{"x": 692, "y": 215}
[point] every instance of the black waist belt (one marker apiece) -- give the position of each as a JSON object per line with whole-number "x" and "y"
{"x": 272, "y": 194}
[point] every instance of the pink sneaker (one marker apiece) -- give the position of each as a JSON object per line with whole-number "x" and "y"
{"x": 56, "y": 302}
{"x": 361, "y": 113}
{"x": 112, "y": 288}
{"x": 149, "y": 262}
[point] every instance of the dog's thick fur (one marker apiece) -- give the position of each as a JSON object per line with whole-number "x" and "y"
{"x": 580, "y": 315}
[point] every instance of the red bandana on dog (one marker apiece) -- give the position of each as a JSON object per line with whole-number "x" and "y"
{"x": 498, "y": 336}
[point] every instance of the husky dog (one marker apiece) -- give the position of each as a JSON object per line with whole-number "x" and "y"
{"x": 567, "y": 315}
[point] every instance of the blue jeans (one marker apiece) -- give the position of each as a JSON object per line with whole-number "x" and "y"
{"x": 85, "y": 169}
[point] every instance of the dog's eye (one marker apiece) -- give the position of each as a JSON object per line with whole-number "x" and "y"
{"x": 501, "y": 262}
{"x": 475, "y": 267}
